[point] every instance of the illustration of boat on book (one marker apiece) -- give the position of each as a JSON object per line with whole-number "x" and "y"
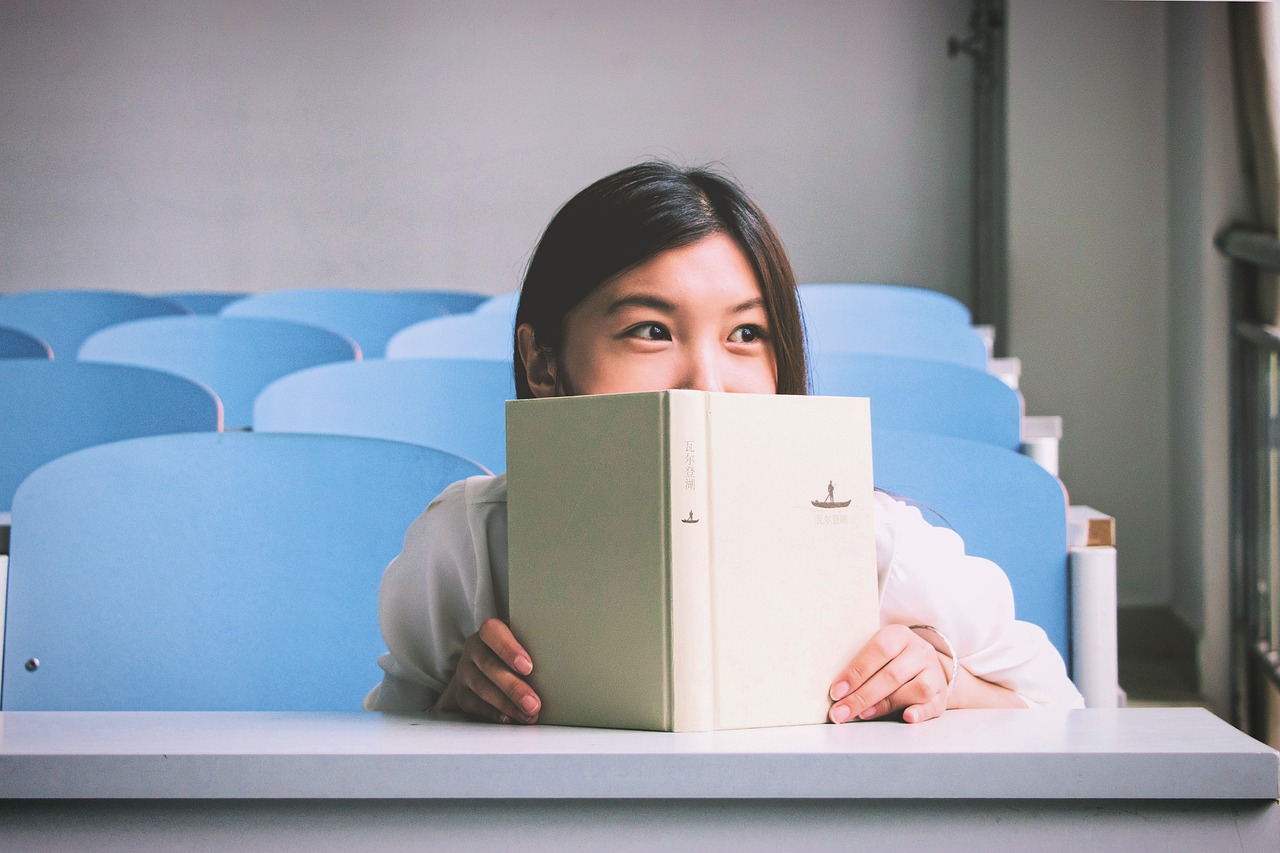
{"x": 830, "y": 502}
{"x": 690, "y": 519}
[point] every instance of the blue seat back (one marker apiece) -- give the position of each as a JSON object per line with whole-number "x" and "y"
{"x": 213, "y": 572}
{"x": 64, "y": 318}
{"x": 924, "y": 395}
{"x": 452, "y": 404}
{"x": 477, "y": 335}
{"x": 55, "y": 407}
{"x": 962, "y": 345}
{"x": 15, "y": 343}
{"x": 449, "y": 301}
{"x": 889, "y": 320}
{"x": 884, "y": 301}
{"x": 235, "y": 356}
{"x": 1004, "y": 505}
{"x": 204, "y": 301}
{"x": 504, "y": 303}
{"x": 368, "y": 317}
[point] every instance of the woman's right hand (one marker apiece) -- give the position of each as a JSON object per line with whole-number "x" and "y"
{"x": 489, "y": 681}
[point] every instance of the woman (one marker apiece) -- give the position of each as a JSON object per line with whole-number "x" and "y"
{"x": 654, "y": 278}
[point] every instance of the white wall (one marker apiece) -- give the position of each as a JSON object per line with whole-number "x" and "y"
{"x": 1088, "y": 243}
{"x": 259, "y": 145}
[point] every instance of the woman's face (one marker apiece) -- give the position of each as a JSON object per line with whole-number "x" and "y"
{"x": 690, "y": 318}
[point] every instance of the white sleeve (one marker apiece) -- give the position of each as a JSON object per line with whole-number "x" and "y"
{"x": 926, "y": 578}
{"x": 434, "y": 595}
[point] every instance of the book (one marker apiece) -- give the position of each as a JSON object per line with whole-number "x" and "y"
{"x": 690, "y": 560}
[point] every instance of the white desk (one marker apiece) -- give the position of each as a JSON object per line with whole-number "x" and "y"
{"x": 1080, "y": 780}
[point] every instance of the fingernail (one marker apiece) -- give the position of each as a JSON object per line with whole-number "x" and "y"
{"x": 867, "y": 713}
{"x": 530, "y": 704}
{"x": 524, "y": 665}
{"x": 910, "y": 715}
{"x": 840, "y": 691}
{"x": 840, "y": 713}
{"x": 504, "y": 719}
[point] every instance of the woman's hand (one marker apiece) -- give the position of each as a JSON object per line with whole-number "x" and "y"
{"x": 489, "y": 681}
{"x": 897, "y": 670}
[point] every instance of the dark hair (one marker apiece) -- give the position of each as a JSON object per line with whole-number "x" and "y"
{"x": 634, "y": 215}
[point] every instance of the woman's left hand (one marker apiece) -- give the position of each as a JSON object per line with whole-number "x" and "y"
{"x": 897, "y": 670}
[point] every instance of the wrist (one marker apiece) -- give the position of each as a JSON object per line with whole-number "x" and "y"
{"x": 946, "y": 656}
{"x": 445, "y": 701}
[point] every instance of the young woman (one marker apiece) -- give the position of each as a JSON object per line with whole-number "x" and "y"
{"x": 653, "y": 278}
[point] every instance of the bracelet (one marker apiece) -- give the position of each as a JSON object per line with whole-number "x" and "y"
{"x": 951, "y": 650}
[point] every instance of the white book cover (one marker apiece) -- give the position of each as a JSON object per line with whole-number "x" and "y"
{"x": 688, "y": 560}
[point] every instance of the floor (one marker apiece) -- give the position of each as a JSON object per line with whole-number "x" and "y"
{"x": 1152, "y": 682}
{"x": 1157, "y": 659}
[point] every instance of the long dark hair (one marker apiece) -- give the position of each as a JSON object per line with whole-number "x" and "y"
{"x": 634, "y": 215}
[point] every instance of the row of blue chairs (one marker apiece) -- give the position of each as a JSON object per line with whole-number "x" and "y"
{"x": 64, "y": 319}
{"x": 457, "y": 403}
{"x": 454, "y": 404}
{"x": 431, "y": 403}
{"x": 245, "y": 348}
{"x": 839, "y": 318}
{"x": 239, "y": 571}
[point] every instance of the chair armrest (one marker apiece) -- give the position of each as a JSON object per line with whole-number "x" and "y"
{"x": 1041, "y": 435}
{"x": 1087, "y": 526}
{"x": 1092, "y": 572}
{"x": 987, "y": 332}
{"x": 1008, "y": 370}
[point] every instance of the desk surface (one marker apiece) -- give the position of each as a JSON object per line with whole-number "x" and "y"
{"x": 1182, "y": 753}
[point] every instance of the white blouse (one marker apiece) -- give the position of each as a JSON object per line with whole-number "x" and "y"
{"x": 452, "y": 575}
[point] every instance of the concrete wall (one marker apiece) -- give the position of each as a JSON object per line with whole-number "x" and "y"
{"x": 156, "y": 146}
{"x": 1088, "y": 255}
{"x": 1205, "y": 194}
{"x": 1123, "y": 165}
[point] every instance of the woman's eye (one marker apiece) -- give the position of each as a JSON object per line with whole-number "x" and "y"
{"x": 649, "y": 332}
{"x": 747, "y": 334}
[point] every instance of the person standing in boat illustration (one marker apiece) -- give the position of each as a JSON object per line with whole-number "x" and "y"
{"x": 830, "y": 502}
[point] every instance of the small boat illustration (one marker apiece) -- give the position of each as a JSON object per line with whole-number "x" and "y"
{"x": 830, "y": 502}
{"x": 690, "y": 519}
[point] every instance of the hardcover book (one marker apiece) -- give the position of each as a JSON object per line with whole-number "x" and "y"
{"x": 690, "y": 560}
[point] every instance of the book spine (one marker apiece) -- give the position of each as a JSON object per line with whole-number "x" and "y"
{"x": 692, "y": 681}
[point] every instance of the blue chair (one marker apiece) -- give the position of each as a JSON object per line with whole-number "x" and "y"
{"x": 962, "y": 345}
{"x": 878, "y": 302}
{"x": 889, "y": 320}
{"x": 235, "y": 356}
{"x": 449, "y": 301}
{"x": 368, "y": 317}
{"x": 924, "y": 395}
{"x": 505, "y": 303}
{"x": 204, "y": 301}
{"x": 55, "y": 407}
{"x": 456, "y": 405}
{"x": 64, "y": 318}
{"x": 15, "y": 343}
{"x": 209, "y": 572}
{"x": 476, "y": 335}
{"x": 1005, "y": 507}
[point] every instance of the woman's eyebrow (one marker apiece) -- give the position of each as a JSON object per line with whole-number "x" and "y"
{"x": 749, "y": 305}
{"x": 640, "y": 300}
